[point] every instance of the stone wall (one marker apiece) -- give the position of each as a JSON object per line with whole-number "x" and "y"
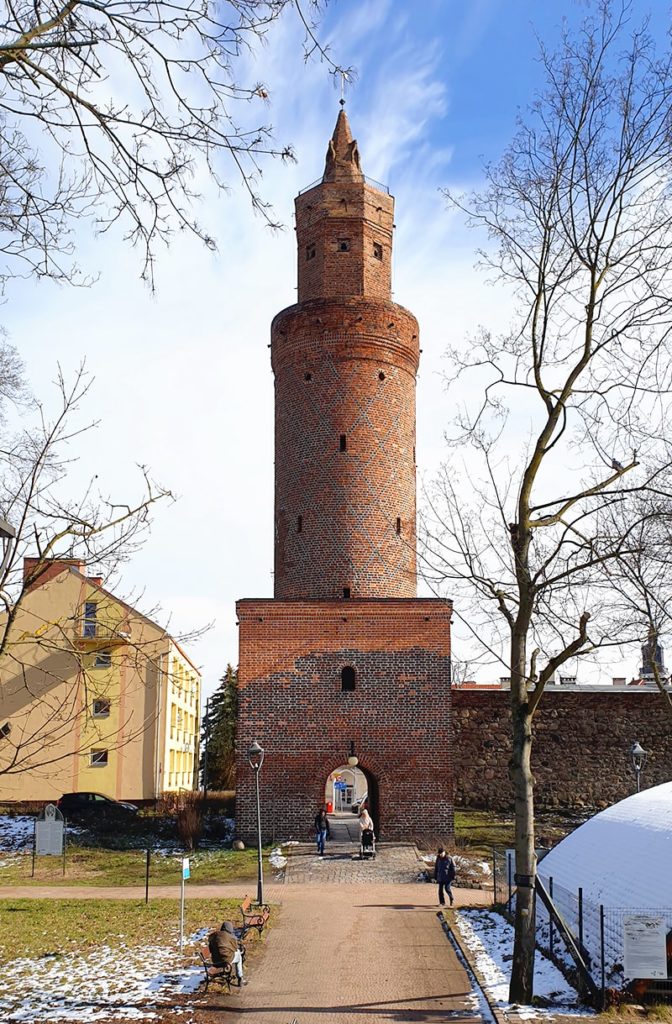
{"x": 580, "y": 756}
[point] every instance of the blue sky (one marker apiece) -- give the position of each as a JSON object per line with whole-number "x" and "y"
{"x": 182, "y": 378}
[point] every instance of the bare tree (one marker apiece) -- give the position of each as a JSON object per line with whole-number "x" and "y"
{"x": 578, "y": 214}
{"x": 109, "y": 109}
{"x": 47, "y": 665}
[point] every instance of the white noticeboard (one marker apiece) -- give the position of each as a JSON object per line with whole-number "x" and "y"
{"x": 49, "y": 833}
{"x": 644, "y": 946}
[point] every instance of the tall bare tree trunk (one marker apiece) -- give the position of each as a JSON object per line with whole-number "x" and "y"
{"x": 522, "y": 975}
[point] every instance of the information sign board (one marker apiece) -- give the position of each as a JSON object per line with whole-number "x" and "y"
{"x": 186, "y": 873}
{"x": 644, "y": 946}
{"x": 49, "y": 832}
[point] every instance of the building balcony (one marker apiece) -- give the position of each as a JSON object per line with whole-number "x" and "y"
{"x": 93, "y": 636}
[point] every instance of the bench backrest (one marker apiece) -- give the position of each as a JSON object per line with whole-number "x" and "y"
{"x": 246, "y": 904}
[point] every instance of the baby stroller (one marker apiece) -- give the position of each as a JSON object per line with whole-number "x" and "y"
{"x": 367, "y": 845}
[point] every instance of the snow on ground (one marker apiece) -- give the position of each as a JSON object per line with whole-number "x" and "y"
{"x": 122, "y": 984}
{"x": 277, "y": 859}
{"x": 16, "y": 832}
{"x": 489, "y": 938}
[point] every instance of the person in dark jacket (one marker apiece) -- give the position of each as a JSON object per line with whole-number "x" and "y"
{"x": 225, "y": 949}
{"x": 322, "y": 832}
{"x": 444, "y": 873}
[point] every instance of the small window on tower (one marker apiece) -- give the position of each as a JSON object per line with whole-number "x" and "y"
{"x": 378, "y": 250}
{"x": 308, "y": 376}
{"x": 343, "y": 443}
{"x": 398, "y": 524}
{"x": 310, "y": 251}
{"x": 299, "y": 524}
{"x": 343, "y": 245}
{"x": 348, "y": 678}
{"x": 346, "y": 593}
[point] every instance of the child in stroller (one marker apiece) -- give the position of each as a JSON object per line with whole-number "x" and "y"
{"x": 367, "y": 844}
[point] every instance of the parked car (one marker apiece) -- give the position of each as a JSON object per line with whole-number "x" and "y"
{"x": 73, "y": 805}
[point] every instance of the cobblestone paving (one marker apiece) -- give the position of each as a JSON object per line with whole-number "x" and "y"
{"x": 394, "y": 863}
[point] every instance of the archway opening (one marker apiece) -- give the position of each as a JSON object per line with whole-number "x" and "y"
{"x": 347, "y": 790}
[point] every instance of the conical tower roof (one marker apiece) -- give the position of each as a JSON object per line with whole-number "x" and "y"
{"x": 342, "y": 162}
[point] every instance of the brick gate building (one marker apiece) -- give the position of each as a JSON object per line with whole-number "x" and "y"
{"x": 345, "y": 658}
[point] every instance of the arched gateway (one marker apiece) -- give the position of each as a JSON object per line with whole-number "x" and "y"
{"x": 345, "y": 659}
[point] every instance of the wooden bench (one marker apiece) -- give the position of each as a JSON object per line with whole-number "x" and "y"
{"x": 215, "y": 972}
{"x": 254, "y": 917}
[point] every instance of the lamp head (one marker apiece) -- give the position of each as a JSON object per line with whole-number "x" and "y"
{"x": 255, "y": 756}
{"x": 638, "y": 755}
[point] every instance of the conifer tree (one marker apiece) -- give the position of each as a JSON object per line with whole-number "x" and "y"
{"x": 219, "y": 734}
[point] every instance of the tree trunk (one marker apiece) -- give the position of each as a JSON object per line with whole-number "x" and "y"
{"x": 522, "y": 968}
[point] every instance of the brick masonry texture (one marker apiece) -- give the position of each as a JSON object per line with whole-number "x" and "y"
{"x": 398, "y": 716}
{"x": 581, "y": 747}
{"x": 345, "y": 518}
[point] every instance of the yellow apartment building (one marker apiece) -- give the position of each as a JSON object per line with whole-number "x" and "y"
{"x": 96, "y": 696}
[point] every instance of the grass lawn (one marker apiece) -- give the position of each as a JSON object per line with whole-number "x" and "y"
{"x": 479, "y": 831}
{"x": 39, "y": 928}
{"x": 97, "y": 866}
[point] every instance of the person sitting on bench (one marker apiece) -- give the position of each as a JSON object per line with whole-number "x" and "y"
{"x": 224, "y": 949}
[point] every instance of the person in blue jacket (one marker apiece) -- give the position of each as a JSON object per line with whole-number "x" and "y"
{"x": 444, "y": 873}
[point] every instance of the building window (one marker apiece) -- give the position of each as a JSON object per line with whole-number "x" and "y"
{"x": 101, "y": 709}
{"x": 348, "y": 678}
{"x": 346, "y": 593}
{"x": 378, "y": 250}
{"x": 99, "y": 758}
{"x": 381, "y": 375}
{"x": 90, "y": 612}
{"x": 310, "y": 251}
{"x": 343, "y": 245}
{"x": 398, "y": 524}
{"x": 299, "y": 524}
{"x": 342, "y": 443}
{"x": 308, "y": 376}
{"x": 103, "y": 659}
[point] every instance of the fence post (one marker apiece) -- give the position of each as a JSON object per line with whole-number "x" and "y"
{"x": 602, "y": 955}
{"x": 510, "y": 880}
{"x": 581, "y": 918}
{"x": 550, "y": 919}
{"x": 147, "y": 856}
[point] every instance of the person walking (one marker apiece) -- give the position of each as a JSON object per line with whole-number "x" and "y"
{"x": 365, "y": 820}
{"x": 444, "y": 873}
{"x": 322, "y": 832}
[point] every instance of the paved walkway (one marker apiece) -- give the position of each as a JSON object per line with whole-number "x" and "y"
{"x": 394, "y": 862}
{"x": 352, "y": 954}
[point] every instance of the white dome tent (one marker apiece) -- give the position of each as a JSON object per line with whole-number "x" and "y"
{"x": 622, "y": 860}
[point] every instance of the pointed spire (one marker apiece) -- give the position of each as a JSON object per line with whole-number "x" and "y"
{"x": 342, "y": 163}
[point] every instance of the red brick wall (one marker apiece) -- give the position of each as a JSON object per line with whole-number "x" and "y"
{"x": 345, "y": 368}
{"x": 333, "y": 212}
{"x": 291, "y": 701}
{"x": 580, "y": 754}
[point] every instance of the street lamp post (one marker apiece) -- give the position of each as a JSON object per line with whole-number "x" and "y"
{"x": 255, "y": 757}
{"x": 638, "y": 755}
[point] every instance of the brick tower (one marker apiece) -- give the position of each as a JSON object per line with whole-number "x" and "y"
{"x": 345, "y": 657}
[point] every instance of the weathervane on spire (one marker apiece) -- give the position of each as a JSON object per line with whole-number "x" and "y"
{"x": 344, "y": 79}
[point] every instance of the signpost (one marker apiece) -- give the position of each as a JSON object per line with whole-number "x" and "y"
{"x": 49, "y": 838}
{"x": 186, "y": 873}
{"x": 644, "y": 946}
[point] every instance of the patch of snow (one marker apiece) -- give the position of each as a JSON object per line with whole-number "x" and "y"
{"x": 122, "y": 984}
{"x": 16, "y": 832}
{"x": 276, "y": 858}
{"x": 489, "y": 938}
